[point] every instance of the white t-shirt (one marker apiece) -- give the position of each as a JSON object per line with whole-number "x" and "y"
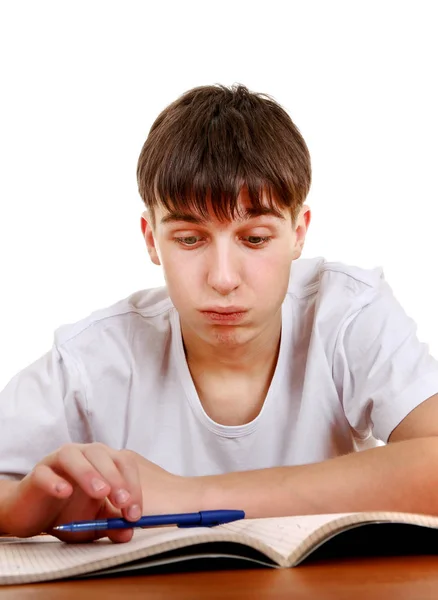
{"x": 350, "y": 368}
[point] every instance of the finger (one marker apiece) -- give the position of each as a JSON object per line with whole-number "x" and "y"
{"x": 120, "y": 470}
{"x": 81, "y": 507}
{"x": 49, "y": 482}
{"x": 128, "y": 467}
{"x": 36, "y": 501}
{"x": 70, "y": 463}
{"x": 119, "y": 536}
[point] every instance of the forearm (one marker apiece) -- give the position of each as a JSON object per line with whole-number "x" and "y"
{"x": 7, "y": 488}
{"x": 401, "y": 476}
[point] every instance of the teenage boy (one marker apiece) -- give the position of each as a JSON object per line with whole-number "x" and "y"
{"x": 250, "y": 380}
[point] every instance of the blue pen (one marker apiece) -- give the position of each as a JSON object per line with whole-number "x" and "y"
{"x": 204, "y": 518}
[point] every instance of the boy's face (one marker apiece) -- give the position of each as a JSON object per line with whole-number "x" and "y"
{"x": 226, "y": 279}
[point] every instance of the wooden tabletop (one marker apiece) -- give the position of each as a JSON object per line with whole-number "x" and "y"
{"x": 392, "y": 578}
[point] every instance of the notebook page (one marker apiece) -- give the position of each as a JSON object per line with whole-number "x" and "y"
{"x": 44, "y": 557}
{"x": 279, "y": 536}
{"x": 342, "y": 523}
{"x": 289, "y": 539}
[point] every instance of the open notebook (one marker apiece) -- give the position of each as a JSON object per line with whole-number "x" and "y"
{"x": 274, "y": 542}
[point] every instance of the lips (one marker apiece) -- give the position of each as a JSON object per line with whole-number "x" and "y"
{"x": 231, "y": 315}
{"x": 229, "y": 310}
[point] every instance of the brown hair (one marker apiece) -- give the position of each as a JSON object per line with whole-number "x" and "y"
{"x": 211, "y": 142}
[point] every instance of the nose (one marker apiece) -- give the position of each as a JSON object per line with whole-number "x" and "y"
{"x": 223, "y": 268}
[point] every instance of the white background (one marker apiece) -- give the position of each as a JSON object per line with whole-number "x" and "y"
{"x": 82, "y": 81}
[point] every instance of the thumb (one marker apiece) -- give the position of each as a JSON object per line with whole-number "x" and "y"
{"x": 108, "y": 511}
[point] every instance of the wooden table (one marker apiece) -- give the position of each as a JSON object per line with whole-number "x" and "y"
{"x": 389, "y": 578}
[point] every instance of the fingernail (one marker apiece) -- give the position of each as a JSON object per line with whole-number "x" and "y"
{"x": 97, "y": 484}
{"x": 134, "y": 512}
{"x": 121, "y": 496}
{"x": 60, "y": 487}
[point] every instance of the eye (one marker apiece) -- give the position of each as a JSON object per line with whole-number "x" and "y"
{"x": 190, "y": 240}
{"x": 257, "y": 240}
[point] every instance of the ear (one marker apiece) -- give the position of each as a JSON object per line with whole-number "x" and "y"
{"x": 148, "y": 234}
{"x": 301, "y": 227}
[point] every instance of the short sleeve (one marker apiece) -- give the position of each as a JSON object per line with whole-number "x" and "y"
{"x": 383, "y": 370}
{"x": 41, "y": 408}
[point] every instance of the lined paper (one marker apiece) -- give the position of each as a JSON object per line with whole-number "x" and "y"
{"x": 287, "y": 540}
{"x": 283, "y": 539}
{"x": 281, "y": 534}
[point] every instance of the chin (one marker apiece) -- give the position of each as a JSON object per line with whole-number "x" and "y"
{"x": 228, "y": 338}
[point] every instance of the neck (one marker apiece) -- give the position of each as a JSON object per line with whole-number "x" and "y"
{"x": 232, "y": 382}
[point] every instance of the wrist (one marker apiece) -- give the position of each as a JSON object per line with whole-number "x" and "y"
{"x": 196, "y": 491}
{"x": 165, "y": 492}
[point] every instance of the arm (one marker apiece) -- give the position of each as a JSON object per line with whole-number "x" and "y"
{"x": 398, "y": 477}
{"x": 401, "y": 476}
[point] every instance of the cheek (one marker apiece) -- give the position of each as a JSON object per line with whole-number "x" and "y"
{"x": 274, "y": 267}
{"x": 180, "y": 278}
{"x": 270, "y": 278}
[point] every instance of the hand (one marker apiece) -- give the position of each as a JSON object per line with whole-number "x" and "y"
{"x": 76, "y": 482}
{"x": 164, "y": 492}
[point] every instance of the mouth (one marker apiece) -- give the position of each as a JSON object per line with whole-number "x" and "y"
{"x": 221, "y": 310}
{"x": 232, "y": 314}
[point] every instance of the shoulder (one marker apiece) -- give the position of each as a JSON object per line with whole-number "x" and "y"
{"x": 332, "y": 295}
{"x": 319, "y": 277}
{"x": 145, "y": 309}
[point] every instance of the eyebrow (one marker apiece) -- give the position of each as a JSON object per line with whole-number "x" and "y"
{"x": 250, "y": 213}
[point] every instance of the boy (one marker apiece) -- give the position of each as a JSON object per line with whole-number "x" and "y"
{"x": 248, "y": 382}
